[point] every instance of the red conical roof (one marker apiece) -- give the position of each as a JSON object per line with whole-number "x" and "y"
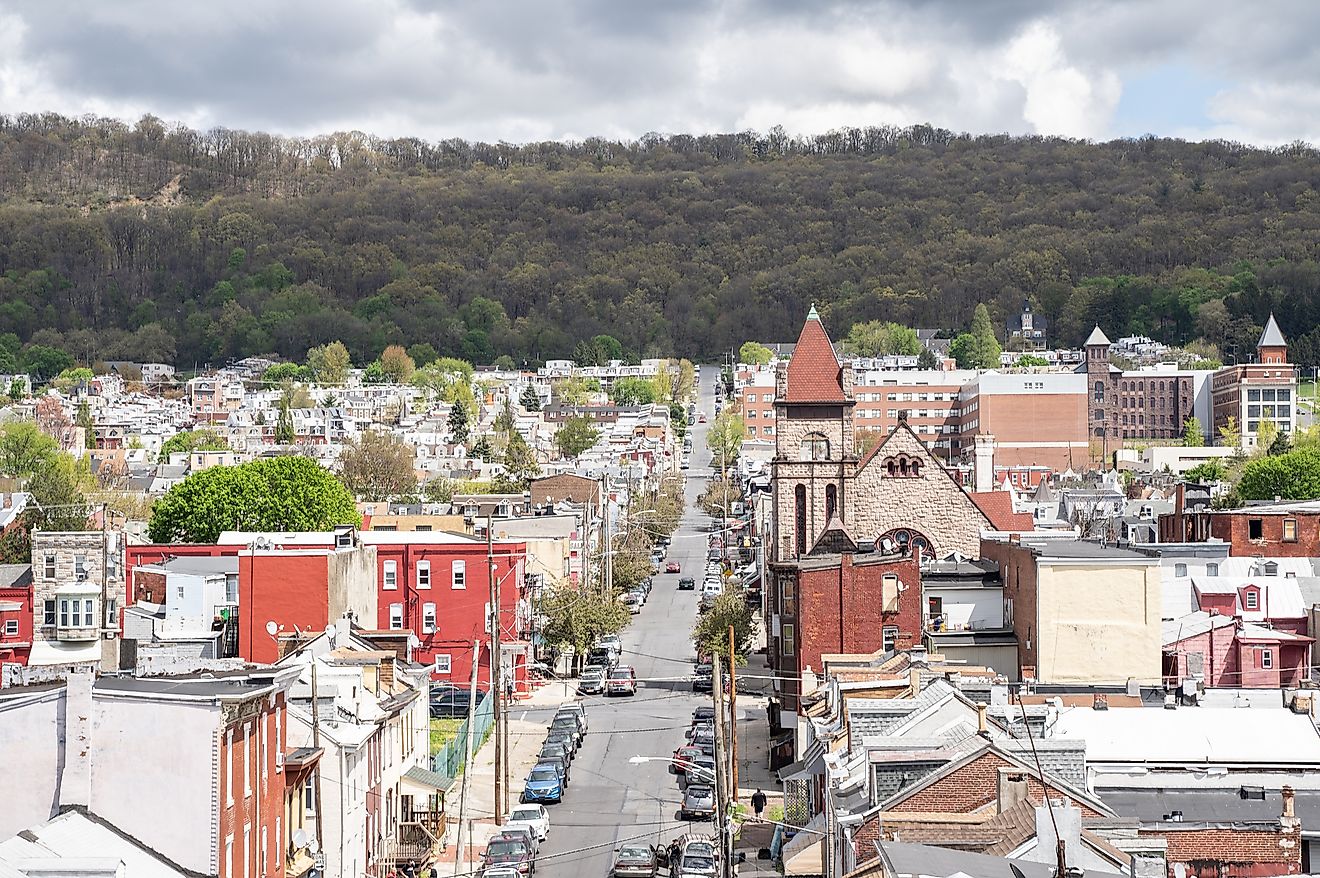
{"x": 814, "y": 374}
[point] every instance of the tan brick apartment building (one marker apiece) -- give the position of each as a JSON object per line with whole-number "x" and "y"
{"x": 1252, "y": 393}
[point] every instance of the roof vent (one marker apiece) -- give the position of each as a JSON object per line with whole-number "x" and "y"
{"x": 1256, "y": 793}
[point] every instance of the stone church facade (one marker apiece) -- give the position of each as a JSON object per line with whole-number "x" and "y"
{"x": 898, "y": 496}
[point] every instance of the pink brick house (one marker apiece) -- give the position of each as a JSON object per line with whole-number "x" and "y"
{"x": 1225, "y": 651}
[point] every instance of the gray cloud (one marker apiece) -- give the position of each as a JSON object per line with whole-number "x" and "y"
{"x": 528, "y": 69}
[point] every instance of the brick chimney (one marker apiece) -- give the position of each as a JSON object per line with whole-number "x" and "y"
{"x": 983, "y": 464}
{"x": 386, "y": 673}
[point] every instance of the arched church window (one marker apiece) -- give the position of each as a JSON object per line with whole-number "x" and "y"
{"x": 815, "y": 447}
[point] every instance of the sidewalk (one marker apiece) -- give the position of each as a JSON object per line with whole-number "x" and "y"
{"x": 528, "y": 720}
{"x": 754, "y": 766}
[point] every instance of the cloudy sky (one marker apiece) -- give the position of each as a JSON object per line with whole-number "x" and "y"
{"x": 522, "y": 70}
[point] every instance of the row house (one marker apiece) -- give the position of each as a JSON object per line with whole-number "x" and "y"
{"x": 16, "y": 618}
{"x": 215, "y": 783}
{"x": 212, "y": 398}
{"x": 78, "y": 589}
{"x": 755, "y": 392}
{"x": 1284, "y": 530}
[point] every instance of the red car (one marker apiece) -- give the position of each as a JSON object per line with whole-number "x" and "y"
{"x": 672, "y": 567}
{"x": 682, "y": 758}
{"x": 701, "y": 418}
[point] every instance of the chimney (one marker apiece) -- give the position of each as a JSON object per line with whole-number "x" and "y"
{"x": 981, "y": 727}
{"x": 983, "y": 467}
{"x": 386, "y": 673}
{"x": 76, "y": 778}
{"x": 1067, "y": 819}
{"x": 914, "y": 679}
{"x": 1289, "y": 798}
{"x": 1012, "y": 789}
{"x": 1100, "y": 702}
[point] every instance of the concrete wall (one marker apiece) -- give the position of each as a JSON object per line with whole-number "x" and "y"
{"x": 175, "y": 775}
{"x": 1098, "y": 623}
{"x": 31, "y": 737}
{"x": 351, "y": 579}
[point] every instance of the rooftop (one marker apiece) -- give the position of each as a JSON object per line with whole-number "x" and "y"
{"x": 1198, "y": 735}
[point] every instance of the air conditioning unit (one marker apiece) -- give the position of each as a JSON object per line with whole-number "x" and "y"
{"x": 279, "y": 761}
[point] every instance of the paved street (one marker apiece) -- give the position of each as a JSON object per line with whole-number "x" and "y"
{"x": 611, "y": 800}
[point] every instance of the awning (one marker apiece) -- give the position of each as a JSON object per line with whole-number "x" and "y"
{"x": 803, "y": 853}
{"x": 54, "y": 652}
{"x": 418, "y": 781}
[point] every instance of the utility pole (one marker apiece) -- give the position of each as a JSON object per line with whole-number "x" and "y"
{"x": 721, "y": 794}
{"x": 467, "y": 764}
{"x": 496, "y": 673}
{"x": 316, "y": 742}
{"x": 609, "y": 546}
{"x": 733, "y": 721}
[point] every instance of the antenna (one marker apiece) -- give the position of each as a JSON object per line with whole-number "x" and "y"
{"x": 1044, "y": 789}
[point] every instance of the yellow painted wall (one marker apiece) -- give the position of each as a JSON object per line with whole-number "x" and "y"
{"x": 1098, "y": 624}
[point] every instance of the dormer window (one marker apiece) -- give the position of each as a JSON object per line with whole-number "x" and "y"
{"x": 1179, "y": 569}
{"x": 1250, "y": 599}
{"x": 1271, "y": 568}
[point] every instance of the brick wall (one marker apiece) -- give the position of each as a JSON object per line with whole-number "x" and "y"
{"x": 1223, "y": 852}
{"x": 251, "y": 791}
{"x": 1235, "y": 528}
{"x": 1017, "y": 567}
{"x": 975, "y": 786}
{"x": 841, "y": 609}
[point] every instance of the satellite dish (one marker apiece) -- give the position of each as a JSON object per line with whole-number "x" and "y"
{"x": 300, "y": 838}
{"x": 414, "y": 641}
{"x": 271, "y": 628}
{"x": 331, "y": 631}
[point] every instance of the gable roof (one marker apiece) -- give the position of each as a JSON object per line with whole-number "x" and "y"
{"x": 1271, "y": 337}
{"x": 834, "y": 540}
{"x": 814, "y": 374}
{"x": 929, "y": 464}
{"x": 1097, "y": 336}
{"x": 998, "y": 507}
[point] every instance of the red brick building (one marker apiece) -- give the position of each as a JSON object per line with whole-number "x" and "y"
{"x": 835, "y": 600}
{"x": 1261, "y": 849}
{"x": 1280, "y": 530}
{"x": 16, "y": 617}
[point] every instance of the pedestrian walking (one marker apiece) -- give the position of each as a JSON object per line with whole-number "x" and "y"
{"x": 758, "y": 804}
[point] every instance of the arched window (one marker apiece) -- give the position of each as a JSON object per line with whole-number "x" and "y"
{"x": 902, "y": 540}
{"x": 1099, "y": 391}
{"x": 831, "y": 501}
{"x": 814, "y": 447}
{"x": 800, "y": 517}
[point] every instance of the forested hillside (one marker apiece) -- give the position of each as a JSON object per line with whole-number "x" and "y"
{"x": 150, "y": 242}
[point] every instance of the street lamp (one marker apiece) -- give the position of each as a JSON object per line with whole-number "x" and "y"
{"x": 723, "y": 818}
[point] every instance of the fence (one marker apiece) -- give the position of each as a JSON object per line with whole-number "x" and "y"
{"x": 448, "y": 762}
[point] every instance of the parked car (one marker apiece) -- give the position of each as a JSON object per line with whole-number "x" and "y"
{"x": 578, "y": 709}
{"x": 702, "y": 770}
{"x": 555, "y": 755}
{"x": 557, "y": 768}
{"x": 698, "y": 858}
{"x": 632, "y": 601}
{"x": 687, "y": 583}
{"x": 611, "y": 642}
{"x": 565, "y": 737}
{"x": 704, "y": 713}
{"x": 703, "y": 679}
{"x": 534, "y": 816}
{"x": 703, "y": 737}
{"x": 542, "y": 785}
{"x": 520, "y": 832}
{"x": 635, "y": 861}
{"x": 682, "y": 758}
{"x": 500, "y": 872}
{"x": 698, "y": 803}
{"x": 622, "y": 680}
{"x": 603, "y": 656}
{"x": 570, "y": 722}
{"x": 510, "y": 852}
{"x": 452, "y": 701}
{"x": 592, "y": 681}
{"x": 672, "y": 567}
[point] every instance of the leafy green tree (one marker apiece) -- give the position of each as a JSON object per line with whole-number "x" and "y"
{"x": 633, "y": 391}
{"x": 576, "y": 618}
{"x": 1193, "y": 435}
{"x": 1030, "y": 360}
{"x": 529, "y": 400}
{"x": 1266, "y": 433}
{"x": 271, "y": 494}
{"x": 977, "y": 349}
{"x": 43, "y": 362}
{"x": 574, "y": 391}
{"x": 330, "y": 362}
{"x": 926, "y": 359}
{"x": 725, "y": 437}
{"x": 755, "y": 354}
{"x": 1212, "y": 470}
{"x": 1230, "y": 435}
{"x": 423, "y": 353}
{"x": 1291, "y": 476}
{"x": 282, "y": 372}
{"x": 482, "y": 449}
{"x": 284, "y": 434}
{"x": 711, "y": 634}
{"x": 719, "y": 496}
{"x": 458, "y": 423}
{"x": 396, "y": 365}
{"x": 878, "y": 338}
{"x": 1281, "y": 444}
{"x": 575, "y": 436}
{"x": 192, "y": 440}
{"x": 520, "y": 466}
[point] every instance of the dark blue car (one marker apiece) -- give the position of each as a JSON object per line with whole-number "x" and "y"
{"x": 543, "y": 784}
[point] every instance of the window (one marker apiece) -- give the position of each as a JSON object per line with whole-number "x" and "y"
{"x": 396, "y": 617}
{"x": 309, "y": 794}
{"x": 831, "y": 501}
{"x": 800, "y": 518}
{"x": 751, "y": 413}
{"x": 48, "y": 612}
{"x": 248, "y": 765}
{"x": 423, "y": 574}
{"x": 428, "y": 618}
{"x": 1290, "y": 530}
{"x": 814, "y": 447}
{"x": 1267, "y": 659}
{"x": 458, "y": 575}
{"x": 1253, "y": 395}
{"x": 1255, "y": 529}
{"x": 1212, "y": 569}
{"x": 229, "y": 853}
{"x": 247, "y": 850}
{"x": 80, "y": 566}
{"x": 1251, "y": 599}
{"x": 786, "y": 636}
{"x": 1271, "y": 568}
{"x": 1179, "y": 569}
{"x": 443, "y": 663}
{"x": 48, "y": 567}
{"x": 889, "y": 637}
{"x": 391, "y": 573}
{"x": 11, "y": 628}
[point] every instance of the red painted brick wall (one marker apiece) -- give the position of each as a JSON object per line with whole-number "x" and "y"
{"x": 10, "y": 650}
{"x": 1017, "y": 567}
{"x": 840, "y": 609}
{"x": 289, "y": 589}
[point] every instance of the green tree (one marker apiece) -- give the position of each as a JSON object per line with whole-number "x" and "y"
{"x": 24, "y": 450}
{"x": 284, "y": 434}
{"x": 1266, "y": 433}
{"x": 504, "y": 420}
{"x": 575, "y": 436}
{"x": 43, "y": 362}
{"x": 530, "y": 401}
{"x": 711, "y": 634}
{"x": 755, "y": 354}
{"x": 284, "y": 372}
{"x": 458, "y": 423}
{"x": 1193, "y": 435}
{"x": 1212, "y": 470}
{"x": 192, "y": 440}
{"x": 330, "y": 362}
{"x": 1030, "y": 360}
{"x": 482, "y": 449}
{"x": 1291, "y": 476}
{"x": 926, "y": 359}
{"x": 725, "y": 438}
{"x": 574, "y": 391}
{"x": 520, "y": 466}
{"x": 377, "y": 466}
{"x": 396, "y": 365}
{"x": 17, "y": 390}
{"x": 576, "y": 618}
{"x": 423, "y": 353}
{"x": 878, "y": 338}
{"x": 608, "y": 347}
{"x": 719, "y": 496}
{"x": 977, "y": 349}
{"x": 272, "y": 494}
{"x": 633, "y": 391}
{"x": 1230, "y": 436}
